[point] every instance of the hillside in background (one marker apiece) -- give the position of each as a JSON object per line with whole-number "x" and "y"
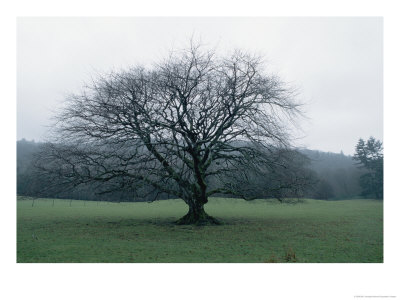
{"x": 337, "y": 176}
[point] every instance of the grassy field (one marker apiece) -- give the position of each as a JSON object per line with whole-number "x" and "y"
{"x": 253, "y": 232}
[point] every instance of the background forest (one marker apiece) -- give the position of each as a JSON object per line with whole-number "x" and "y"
{"x": 335, "y": 176}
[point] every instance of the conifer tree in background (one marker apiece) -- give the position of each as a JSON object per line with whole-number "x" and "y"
{"x": 369, "y": 155}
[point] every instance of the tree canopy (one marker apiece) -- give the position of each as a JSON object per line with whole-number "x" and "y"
{"x": 192, "y": 126}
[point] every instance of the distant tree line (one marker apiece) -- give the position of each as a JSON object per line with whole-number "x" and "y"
{"x": 32, "y": 184}
{"x": 325, "y": 175}
{"x": 338, "y": 175}
{"x": 290, "y": 178}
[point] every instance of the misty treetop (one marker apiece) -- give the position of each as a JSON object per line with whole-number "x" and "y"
{"x": 191, "y": 126}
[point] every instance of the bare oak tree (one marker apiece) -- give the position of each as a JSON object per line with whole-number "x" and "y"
{"x": 192, "y": 126}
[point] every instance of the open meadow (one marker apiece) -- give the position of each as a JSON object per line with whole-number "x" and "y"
{"x": 260, "y": 231}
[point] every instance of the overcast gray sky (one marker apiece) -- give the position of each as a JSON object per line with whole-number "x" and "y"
{"x": 336, "y": 63}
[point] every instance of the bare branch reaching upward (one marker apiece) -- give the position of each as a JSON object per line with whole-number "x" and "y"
{"x": 183, "y": 127}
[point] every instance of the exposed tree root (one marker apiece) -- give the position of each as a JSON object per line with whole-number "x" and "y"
{"x": 197, "y": 219}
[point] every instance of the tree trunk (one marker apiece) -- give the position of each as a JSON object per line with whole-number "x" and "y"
{"x": 197, "y": 215}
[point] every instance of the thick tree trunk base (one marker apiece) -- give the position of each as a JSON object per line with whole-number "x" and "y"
{"x": 197, "y": 219}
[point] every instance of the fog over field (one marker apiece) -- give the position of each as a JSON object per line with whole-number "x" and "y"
{"x": 335, "y": 63}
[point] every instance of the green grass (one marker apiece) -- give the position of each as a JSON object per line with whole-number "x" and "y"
{"x": 253, "y": 232}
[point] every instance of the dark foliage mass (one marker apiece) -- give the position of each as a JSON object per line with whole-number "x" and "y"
{"x": 369, "y": 155}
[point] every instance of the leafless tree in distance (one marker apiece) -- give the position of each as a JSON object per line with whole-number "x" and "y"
{"x": 194, "y": 125}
